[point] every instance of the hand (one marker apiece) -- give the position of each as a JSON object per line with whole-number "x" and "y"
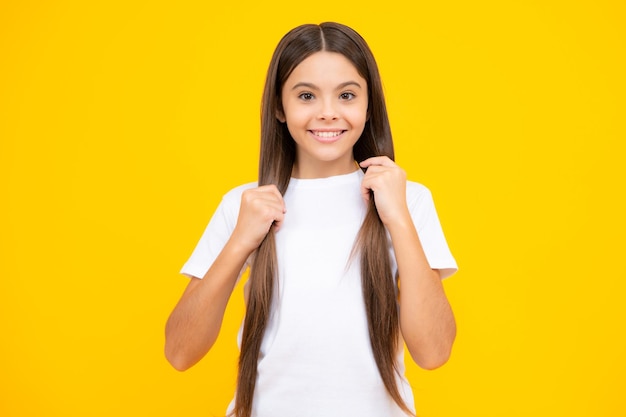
{"x": 261, "y": 209}
{"x": 388, "y": 182}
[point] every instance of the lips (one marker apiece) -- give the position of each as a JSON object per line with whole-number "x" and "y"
{"x": 327, "y": 135}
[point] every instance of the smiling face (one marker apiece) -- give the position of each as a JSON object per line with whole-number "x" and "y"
{"x": 325, "y": 107}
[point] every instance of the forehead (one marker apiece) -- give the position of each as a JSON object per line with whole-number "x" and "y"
{"x": 324, "y": 67}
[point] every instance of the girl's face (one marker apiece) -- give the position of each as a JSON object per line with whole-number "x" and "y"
{"x": 325, "y": 108}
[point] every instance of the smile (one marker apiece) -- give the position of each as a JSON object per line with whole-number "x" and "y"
{"x": 327, "y": 136}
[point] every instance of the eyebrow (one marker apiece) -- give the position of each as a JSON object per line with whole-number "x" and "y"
{"x": 314, "y": 87}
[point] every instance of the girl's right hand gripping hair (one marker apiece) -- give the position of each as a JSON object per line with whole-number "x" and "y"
{"x": 261, "y": 208}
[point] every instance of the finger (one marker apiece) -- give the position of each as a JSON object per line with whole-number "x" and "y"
{"x": 264, "y": 195}
{"x": 273, "y": 190}
{"x": 366, "y": 189}
{"x": 269, "y": 217}
{"x": 373, "y": 176}
{"x": 374, "y": 170}
{"x": 374, "y": 180}
{"x": 377, "y": 160}
{"x": 279, "y": 216}
{"x": 269, "y": 209}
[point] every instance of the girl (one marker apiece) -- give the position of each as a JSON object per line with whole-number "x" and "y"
{"x": 329, "y": 243}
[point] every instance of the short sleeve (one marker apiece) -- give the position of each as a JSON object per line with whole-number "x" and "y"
{"x": 215, "y": 235}
{"x": 426, "y": 221}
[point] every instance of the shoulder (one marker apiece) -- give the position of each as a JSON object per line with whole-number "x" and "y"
{"x": 420, "y": 202}
{"x": 234, "y": 194}
{"x": 416, "y": 192}
{"x": 231, "y": 200}
{"x": 228, "y": 209}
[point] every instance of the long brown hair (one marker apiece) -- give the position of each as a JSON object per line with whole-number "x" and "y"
{"x": 275, "y": 166}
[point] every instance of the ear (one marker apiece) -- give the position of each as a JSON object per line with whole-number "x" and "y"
{"x": 280, "y": 115}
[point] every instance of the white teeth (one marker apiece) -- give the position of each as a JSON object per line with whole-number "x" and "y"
{"x": 327, "y": 134}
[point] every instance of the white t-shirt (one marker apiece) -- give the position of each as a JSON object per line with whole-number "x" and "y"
{"x": 316, "y": 358}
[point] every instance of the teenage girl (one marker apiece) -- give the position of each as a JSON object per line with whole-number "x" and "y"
{"x": 346, "y": 256}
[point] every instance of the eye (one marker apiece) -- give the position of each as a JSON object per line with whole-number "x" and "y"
{"x": 347, "y": 96}
{"x": 306, "y": 96}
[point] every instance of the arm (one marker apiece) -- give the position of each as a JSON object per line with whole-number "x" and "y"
{"x": 426, "y": 320}
{"x": 194, "y": 324}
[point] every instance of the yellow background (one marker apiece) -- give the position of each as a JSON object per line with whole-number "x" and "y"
{"x": 123, "y": 123}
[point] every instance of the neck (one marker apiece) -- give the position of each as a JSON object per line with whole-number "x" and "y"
{"x": 323, "y": 169}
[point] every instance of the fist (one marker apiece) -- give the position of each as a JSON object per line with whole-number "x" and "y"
{"x": 261, "y": 209}
{"x": 388, "y": 183}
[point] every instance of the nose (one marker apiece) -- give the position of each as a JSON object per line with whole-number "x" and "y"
{"x": 328, "y": 111}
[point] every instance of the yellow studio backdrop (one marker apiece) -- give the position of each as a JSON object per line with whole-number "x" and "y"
{"x": 123, "y": 123}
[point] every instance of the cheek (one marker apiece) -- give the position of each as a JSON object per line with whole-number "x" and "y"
{"x": 293, "y": 114}
{"x": 358, "y": 116}
{"x": 295, "y": 123}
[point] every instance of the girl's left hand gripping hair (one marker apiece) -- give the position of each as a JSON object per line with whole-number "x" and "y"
{"x": 388, "y": 182}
